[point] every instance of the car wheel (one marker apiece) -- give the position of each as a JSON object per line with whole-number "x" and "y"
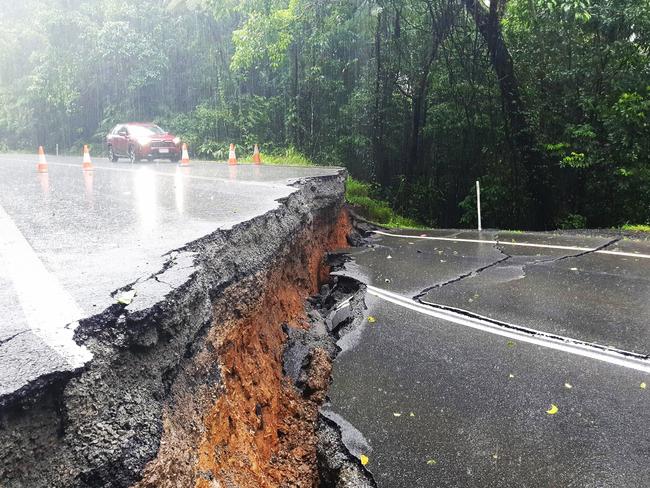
{"x": 111, "y": 155}
{"x": 131, "y": 154}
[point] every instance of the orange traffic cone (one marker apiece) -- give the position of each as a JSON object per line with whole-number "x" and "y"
{"x": 232, "y": 157}
{"x": 185, "y": 157}
{"x": 42, "y": 162}
{"x": 257, "y": 159}
{"x": 87, "y": 163}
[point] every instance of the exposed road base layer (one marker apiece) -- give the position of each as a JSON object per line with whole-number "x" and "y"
{"x": 263, "y": 429}
{"x": 186, "y": 384}
{"x": 255, "y": 429}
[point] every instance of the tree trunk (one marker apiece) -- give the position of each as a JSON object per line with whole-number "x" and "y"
{"x": 519, "y": 131}
{"x": 413, "y": 163}
{"x": 293, "y": 112}
{"x": 378, "y": 156}
{"x": 441, "y": 24}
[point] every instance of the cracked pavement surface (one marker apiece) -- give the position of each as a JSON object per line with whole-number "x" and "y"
{"x": 70, "y": 239}
{"x": 439, "y": 404}
{"x": 597, "y": 298}
{"x": 586, "y": 296}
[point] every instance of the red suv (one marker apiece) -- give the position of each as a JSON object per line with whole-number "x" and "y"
{"x": 142, "y": 141}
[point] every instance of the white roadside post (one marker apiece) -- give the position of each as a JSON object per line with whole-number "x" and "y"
{"x": 57, "y": 149}
{"x": 478, "y": 203}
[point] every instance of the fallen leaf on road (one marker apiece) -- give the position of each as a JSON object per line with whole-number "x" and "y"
{"x": 431, "y": 462}
{"x": 643, "y": 386}
{"x": 397, "y": 414}
{"x": 574, "y": 269}
{"x": 510, "y": 343}
{"x": 126, "y": 297}
{"x": 389, "y": 257}
{"x": 411, "y": 414}
{"x": 553, "y": 410}
{"x": 371, "y": 319}
{"x": 364, "y": 459}
{"x": 568, "y": 386}
{"x": 511, "y": 375}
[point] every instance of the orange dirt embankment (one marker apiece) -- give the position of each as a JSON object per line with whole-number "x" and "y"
{"x": 253, "y": 428}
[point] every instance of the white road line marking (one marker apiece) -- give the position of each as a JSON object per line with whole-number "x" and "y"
{"x": 551, "y": 341}
{"x": 521, "y": 244}
{"x": 47, "y": 306}
{"x": 626, "y": 254}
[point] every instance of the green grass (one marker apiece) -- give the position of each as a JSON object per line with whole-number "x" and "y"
{"x": 636, "y": 228}
{"x": 359, "y": 195}
{"x": 290, "y": 157}
{"x": 355, "y": 188}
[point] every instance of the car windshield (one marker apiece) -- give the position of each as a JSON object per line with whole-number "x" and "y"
{"x": 145, "y": 130}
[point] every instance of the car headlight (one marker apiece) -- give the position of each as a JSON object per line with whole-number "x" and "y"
{"x": 143, "y": 141}
{"x": 177, "y": 140}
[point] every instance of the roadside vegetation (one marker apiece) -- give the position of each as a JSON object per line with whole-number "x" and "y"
{"x": 288, "y": 157}
{"x": 359, "y": 195}
{"x": 636, "y": 228}
{"x": 547, "y": 103}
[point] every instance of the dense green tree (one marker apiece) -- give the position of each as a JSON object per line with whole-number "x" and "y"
{"x": 547, "y": 102}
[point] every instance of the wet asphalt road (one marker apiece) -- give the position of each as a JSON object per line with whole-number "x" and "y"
{"x": 430, "y": 402}
{"x": 435, "y": 403}
{"x": 70, "y": 238}
{"x": 601, "y": 298}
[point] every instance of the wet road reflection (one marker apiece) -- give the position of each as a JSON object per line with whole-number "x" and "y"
{"x": 144, "y": 189}
{"x": 44, "y": 181}
{"x": 179, "y": 188}
{"x": 88, "y": 185}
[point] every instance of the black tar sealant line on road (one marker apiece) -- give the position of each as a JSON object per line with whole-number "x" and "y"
{"x": 582, "y": 250}
{"x": 425, "y": 291}
{"x": 591, "y": 251}
{"x": 463, "y": 276}
{"x": 590, "y": 350}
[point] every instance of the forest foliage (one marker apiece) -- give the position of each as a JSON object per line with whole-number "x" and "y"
{"x": 546, "y": 102}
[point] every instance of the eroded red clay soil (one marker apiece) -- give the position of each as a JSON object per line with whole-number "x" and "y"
{"x": 257, "y": 430}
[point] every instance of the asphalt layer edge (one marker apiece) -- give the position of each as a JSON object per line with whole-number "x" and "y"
{"x": 99, "y": 426}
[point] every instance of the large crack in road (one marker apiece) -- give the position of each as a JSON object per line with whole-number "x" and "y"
{"x": 453, "y": 394}
{"x": 546, "y": 285}
{"x": 462, "y": 276}
{"x": 499, "y": 247}
{"x": 216, "y": 375}
{"x": 187, "y": 384}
